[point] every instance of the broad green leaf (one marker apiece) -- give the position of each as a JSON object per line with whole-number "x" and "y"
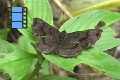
{"x": 26, "y": 45}
{"x": 85, "y": 21}
{"x": 107, "y": 41}
{"x": 101, "y": 61}
{"x": 92, "y": 57}
{"x": 65, "y": 63}
{"x": 17, "y": 64}
{"x": 54, "y": 77}
{"x": 39, "y": 9}
{"x": 36, "y": 9}
{"x": 6, "y": 47}
{"x": 2, "y": 55}
{"x": 89, "y": 20}
{"x": 45, "y": 67}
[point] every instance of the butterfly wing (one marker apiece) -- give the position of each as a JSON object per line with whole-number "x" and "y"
{"x": 41, "y": 28}
{"x": 91, "y": 36}
{"x": 46, "y": 44}
{"x": 88, "y": 37}
{"x": 72, "y": 51}
{"x": 70, "y": 47}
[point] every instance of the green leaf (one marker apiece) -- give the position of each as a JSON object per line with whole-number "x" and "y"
{"x": 6, "y": 47}
{"x": 17, "y": 64}
{"x": 54, "y": 77}
{"x": 89, "y": 20}
{"x": 45, "y": 67}
{"x": 37, "y": 9}
{"x": 92, "y": 56}
{"x": 101, "y": 61}
{"x": 107, "y": 41}
{"x": 65, "y": 63}
{"x": 26, "y": 45}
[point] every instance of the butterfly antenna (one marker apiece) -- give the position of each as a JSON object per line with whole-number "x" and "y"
{"x": 64, "y": 18}
{"x": 73, "y": 22}
{"x": 63, "y": 15}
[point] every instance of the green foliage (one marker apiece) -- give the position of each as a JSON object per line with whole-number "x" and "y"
{"x": 45, "y": 67}
{"x": 22, "y": 61}
{"x": 101, "y": 61}
{"x": 89, "y": 20}
{"x": 26, "y": 45}
{"x": 6, "y": 47}
{"x": 95, "y": 57}
{"x": 17, "y": 63}
{"x": 37, "y": 9}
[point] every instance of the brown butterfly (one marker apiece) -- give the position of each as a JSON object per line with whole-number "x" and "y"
{"x": 65, "y": 44}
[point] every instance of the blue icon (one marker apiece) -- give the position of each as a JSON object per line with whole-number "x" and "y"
{"x": 17, "y": 17}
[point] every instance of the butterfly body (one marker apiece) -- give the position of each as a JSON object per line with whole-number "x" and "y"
{"x": 62, "y": 36}
{"x": 65, "y": 44}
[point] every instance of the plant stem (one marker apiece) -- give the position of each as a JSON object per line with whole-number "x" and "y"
{"x": 60, "y": 5}
{"x": 37, "y": 67}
